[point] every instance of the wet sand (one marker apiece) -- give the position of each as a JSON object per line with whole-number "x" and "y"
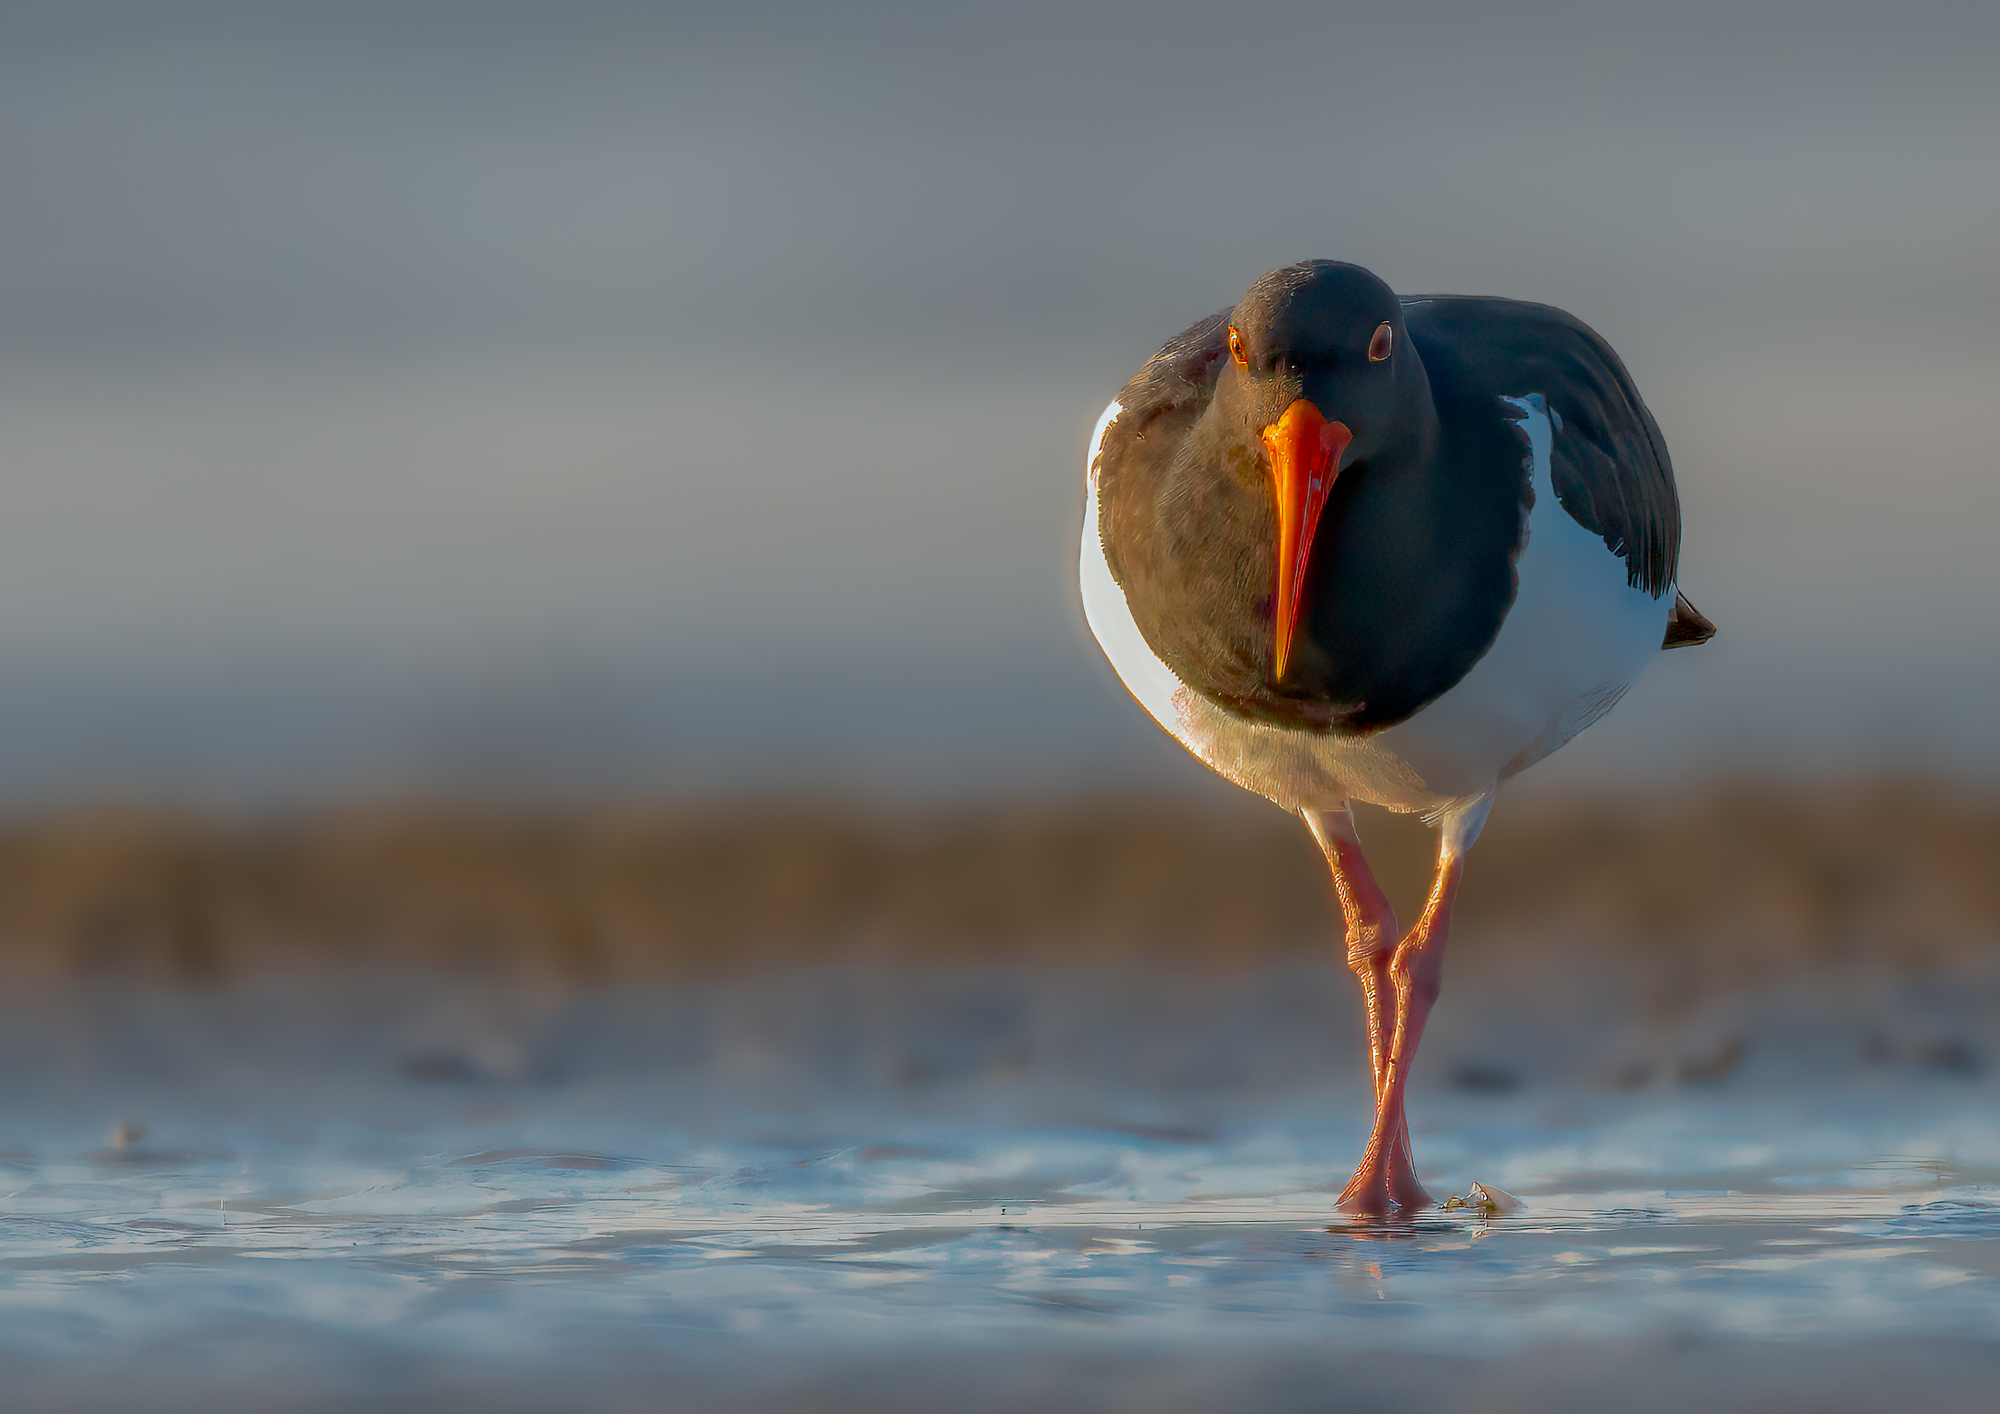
{"x": 719, "y": 1109}
{"x": 1009, "y": 1188}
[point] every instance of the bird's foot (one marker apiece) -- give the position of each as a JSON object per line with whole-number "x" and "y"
{"x": 1367, "y": 1195}
{"x": 1386, "y": 1179}
{"x": 1409, "y": 1194}
{"x": 1373, "y": 1192}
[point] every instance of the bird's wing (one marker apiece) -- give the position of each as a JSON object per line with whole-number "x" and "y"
{"x": 1182, "y": 374}
{"x": 1610, "y": 465}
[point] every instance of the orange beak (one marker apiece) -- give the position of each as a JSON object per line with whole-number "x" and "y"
{"x": 1305, "y": 458}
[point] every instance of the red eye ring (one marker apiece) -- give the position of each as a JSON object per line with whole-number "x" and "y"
{"x": 1382, "y": 345}
{"x": 1236, "y": 348}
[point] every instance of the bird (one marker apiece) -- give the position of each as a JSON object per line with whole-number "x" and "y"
{"x": 1348, "y": 545}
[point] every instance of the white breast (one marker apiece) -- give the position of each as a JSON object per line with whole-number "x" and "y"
{"x": 1572, "y": 643}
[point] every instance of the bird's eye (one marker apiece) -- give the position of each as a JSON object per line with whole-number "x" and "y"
{"x": 1236, "y": 348}
{"x": 1381, "y": 345}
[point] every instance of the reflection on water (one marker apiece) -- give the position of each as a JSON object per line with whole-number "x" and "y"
{"x": 216, "y": 1231}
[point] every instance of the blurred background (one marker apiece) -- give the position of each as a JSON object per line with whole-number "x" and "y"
{"x": 537, "y": 591}
{"x": 511, "y": 405}
{"x": 635, "y": 398}
{"x": 572, "y": 416}
{"x": 598, "y": 484}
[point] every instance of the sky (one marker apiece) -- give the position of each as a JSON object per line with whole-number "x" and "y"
{"x": 584, "y": 397}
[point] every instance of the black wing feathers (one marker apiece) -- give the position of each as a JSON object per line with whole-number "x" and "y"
{"x": 1610, "y": 465}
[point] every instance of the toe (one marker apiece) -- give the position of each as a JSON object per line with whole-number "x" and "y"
{"x": 1367, "y": 1195}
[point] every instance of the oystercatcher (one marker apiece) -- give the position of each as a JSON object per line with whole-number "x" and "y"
{"x": 1349, "y": 545}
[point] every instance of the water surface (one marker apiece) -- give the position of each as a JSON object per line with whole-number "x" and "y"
{"x": 453, "y": 1226}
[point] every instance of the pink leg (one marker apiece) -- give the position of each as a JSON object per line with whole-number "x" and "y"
{"x": 1371, "y": 949}
{"x": 1417, "y": 970}
{"x": 1386, "y": 1178}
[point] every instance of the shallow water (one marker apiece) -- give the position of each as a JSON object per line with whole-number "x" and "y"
{"x": 412, "y": 1227}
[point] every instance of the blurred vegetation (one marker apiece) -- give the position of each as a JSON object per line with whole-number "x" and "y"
{"x": 1725, "y": 886}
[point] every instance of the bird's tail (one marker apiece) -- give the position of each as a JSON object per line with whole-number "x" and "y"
{"x": 1686, "y": 625}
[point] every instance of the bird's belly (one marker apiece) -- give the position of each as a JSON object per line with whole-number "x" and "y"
{"x": 1292, "y": 768}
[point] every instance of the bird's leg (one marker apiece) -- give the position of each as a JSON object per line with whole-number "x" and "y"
{"x": 1386, "y": 1176}
{"x": 1371, "y": 927}
{"x": 1371, "y": 947}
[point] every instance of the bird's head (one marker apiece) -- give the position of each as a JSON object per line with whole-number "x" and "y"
{"x": 1320, "y": 381}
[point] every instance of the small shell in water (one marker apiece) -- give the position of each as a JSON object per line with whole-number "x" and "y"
{"x": 1486, "y": 1200}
